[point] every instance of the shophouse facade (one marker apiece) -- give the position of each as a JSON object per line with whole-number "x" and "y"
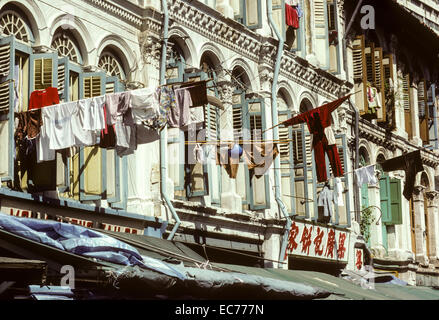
{"x": 92, "y": 48}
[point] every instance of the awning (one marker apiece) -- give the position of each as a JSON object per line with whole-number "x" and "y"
{"x": 341, "y": 289}
{"x": 159, "y": 248}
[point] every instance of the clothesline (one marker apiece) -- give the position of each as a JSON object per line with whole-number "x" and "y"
{"x": 279, "y": 141}
{"x": 322, "y": 106}
{"x": 306, "y": 199}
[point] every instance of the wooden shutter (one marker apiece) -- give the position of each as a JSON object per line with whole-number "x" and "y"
{"x": 44, "y": 75}
{"x": 6, "y": 111}
{"x": 253, "y": 13}
{"x": 379, "y": 82}
{"x": 395, "y": 202}
{"x": 432, "y": 111}
{"x": 423, "y": 109}
{"x": 91, "y": 158}
{"x": 113, "y": 165}
{"x": 364, "y": 196}
{"x": 255, "y": 123}
{"x": 278, "y": 10}
{"x": 284, "y": 148}
{"x": 369, "y": 53}
{"x": 391, "y": 201}
{"x": 321, "y": 32}
{"x": 5, "y": 90}
{"x": 407, "y": 105}
{"x": 286, "y": 160}
{"x": 5, "y": 59}
{"x": 61, "y": 80}
{"x": 389, "y": 96}
{"x": 385, "y": 199}
{"x": 237, "y": 116}
{"x": 300, "y": 170}
{"x": 238, "y": 126}
{"x": 359, "y": 74}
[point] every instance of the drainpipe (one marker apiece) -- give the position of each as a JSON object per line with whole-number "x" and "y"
{"x": 164, "y": 132}
{"x": 357, "y": 113}
{"x": 277, "y": 172}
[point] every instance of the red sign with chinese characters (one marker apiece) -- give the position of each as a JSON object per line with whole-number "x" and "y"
{"x": 318, "y": 242}
{"x": 359, "y": 260}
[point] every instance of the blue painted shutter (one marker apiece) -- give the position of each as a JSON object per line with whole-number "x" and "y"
{"x": 321, "y": 32}
{"x": 111, "y": 159}
{"x": 44, "y": 74}
{"x": 255, "y": 122}
{"x": 301, "y": 167}
{"x": 287, "y": 161}
{"x": 197, "y": 173}
{"x": 7, "y": 150}
{"x": 239, "y": 105}
{"x": 431, "y": 100}
{"x": 91, "y": 161}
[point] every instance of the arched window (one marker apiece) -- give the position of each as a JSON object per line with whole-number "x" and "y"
{"x": 65, "y": 44}
{"x": 248, "y": 124}
{"x": 14, "y": 24}
{"x": 110, "y": 63}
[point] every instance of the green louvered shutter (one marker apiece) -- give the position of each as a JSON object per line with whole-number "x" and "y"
{"x": 385, "y": 199}
{"x": 395, "y": 202}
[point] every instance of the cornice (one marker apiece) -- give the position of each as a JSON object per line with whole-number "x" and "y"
{"x": 214, "y": 26}
{"x": 231, "y": 34}
{"x": 120, "y": 11}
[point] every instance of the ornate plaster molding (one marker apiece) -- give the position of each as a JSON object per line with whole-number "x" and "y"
{"x": 417, "y": 190}
{"x": 150, "y": 48}
{"x": 215, "y": 27}
{"x": 230, "y": 34}
{"x": 226, "y": 89}
{"x": 118, "y": 11}
{"x": 432, "y": 197}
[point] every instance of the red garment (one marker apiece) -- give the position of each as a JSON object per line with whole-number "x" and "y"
{"x": 43, "y": 98}
{"x": 317, "y": 120}
{"x": 291, "y": 16}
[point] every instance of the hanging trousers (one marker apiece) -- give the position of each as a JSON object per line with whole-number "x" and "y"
{"x": 320, "y": 148}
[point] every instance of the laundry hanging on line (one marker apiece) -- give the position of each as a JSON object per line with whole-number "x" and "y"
{"x": 323, "y": 139}
{"x": 411, "y": 163}
{"x": 366, "y": 175}
{"x": 324, "y": 203}
{"x": 258, "y": 157}
{"x": 293, "y": 13}
{"x": 109, "y": 121}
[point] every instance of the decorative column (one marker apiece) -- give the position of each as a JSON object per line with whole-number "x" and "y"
{"x": 433, "y": 203}
{"x": 147, "y": 70}
{"x": 229, "y": 198}
{"x": 418, "y": 204}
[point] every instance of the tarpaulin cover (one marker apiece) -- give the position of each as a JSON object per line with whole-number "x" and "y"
{"x": 209, "y": 284}
{"x": 82, "y": 241}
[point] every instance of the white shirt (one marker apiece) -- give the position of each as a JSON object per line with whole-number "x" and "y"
{"x": 144, "y": 104}
{"x": 92, "y": 113}
{"x": 366, "y": 175}
{"x": 57, "y": 120}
